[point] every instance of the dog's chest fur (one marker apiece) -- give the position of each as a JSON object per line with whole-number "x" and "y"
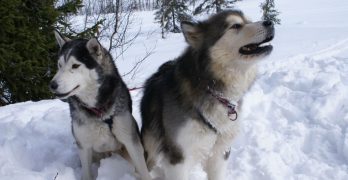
{"x": 199, "y": 138}
{"x": 237, "y": 84}
{"x": 200, "y": 142}
{"x": 93, "y": 132}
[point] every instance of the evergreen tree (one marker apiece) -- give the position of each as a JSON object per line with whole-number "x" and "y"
{"x": 269, "y": 12}
{"x": 170, "y": 14}
{"x": 214, "y": 6}
{"x": 28, "y": 48}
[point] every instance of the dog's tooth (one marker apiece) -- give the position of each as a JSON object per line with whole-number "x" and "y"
{"x": 265, "y": 44}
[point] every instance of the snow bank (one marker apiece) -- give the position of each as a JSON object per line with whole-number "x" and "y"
{"x": 296, "y": 122}
{"x": 36, "y": 141}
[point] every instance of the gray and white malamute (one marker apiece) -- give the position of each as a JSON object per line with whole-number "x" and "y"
{"x": 100, "y": 104}
{"x": 191, "y": 106}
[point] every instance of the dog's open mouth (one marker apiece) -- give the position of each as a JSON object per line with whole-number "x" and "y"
{"x": 66, "y": 94}
{"x": 257, "y": 48}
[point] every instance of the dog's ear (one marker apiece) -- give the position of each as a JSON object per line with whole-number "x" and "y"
{"x": 192, "y": 33}
{"x": 94, "y": 47}
{"x": 61, "y": 40}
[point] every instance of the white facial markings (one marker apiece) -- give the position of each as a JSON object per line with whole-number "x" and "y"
{"x": 248, "y": 19}
{"x": 226, "y": 48}
{"x": 66, "y": 82}
{"x": 60, "y": 62}
{"x": 255, "y": 32}
{"x": 72, "y": 74}
{"x": 251, "y": 32}
{"x": 234, "y": 19}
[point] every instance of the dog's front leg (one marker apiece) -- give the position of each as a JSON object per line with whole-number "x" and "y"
{"x": 178, "y": 171}
{"x": 126, "y": 131}
{"x": 86, "y": 162}
{"x": 216, "y": 166}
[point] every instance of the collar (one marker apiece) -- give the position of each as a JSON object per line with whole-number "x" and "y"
{"x": 99, "y": 112}
{"x": 229, "y": 105}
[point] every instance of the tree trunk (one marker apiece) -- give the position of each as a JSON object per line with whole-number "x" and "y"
{"x": 173, "y": 15}
{"x": 218, "y": 4}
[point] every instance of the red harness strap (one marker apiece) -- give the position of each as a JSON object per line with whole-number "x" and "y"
{"x": 96, "y": 111}
{"x": 100, "y": 111}
{"x": 135, "y": 88}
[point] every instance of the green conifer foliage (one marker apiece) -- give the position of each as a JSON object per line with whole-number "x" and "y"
{"x": 28, "y": 48}
{"x": 269, "y": 11}
{"x": 213, "y": 6}
{"x": 170, "y": 14}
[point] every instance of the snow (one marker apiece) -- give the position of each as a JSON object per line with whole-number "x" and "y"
{"x": 295, "y": 122}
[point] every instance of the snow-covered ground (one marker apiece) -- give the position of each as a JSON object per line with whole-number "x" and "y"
{"x": 295, "y": 123}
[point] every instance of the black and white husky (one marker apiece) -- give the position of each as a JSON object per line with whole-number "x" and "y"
{"x": 191, "y": 106}
{"x": 100, "y": 104}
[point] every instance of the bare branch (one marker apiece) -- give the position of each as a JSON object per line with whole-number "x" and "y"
{"x": 118, "y": 18}
{"x": 55, "y": 177}
{"x": 116, "y": 25}
{"x": 136, "y": 66}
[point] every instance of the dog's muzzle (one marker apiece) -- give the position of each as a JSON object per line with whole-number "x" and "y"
{"x": 261, "y": 47}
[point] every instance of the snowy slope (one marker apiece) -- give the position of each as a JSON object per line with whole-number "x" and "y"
{"x": 295, "y": 123}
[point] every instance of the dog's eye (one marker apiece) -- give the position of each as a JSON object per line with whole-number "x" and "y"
{"x": 236, "y": 26}
{"x": 75, "y": 66}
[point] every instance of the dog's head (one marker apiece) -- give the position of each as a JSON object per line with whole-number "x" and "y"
{"x": 230, "y": 38}
{"x": 78, "y": 62}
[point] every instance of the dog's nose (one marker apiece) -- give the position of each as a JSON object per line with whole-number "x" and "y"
{"x": 267, "y": 23}
{"x": 53, "y": 85}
